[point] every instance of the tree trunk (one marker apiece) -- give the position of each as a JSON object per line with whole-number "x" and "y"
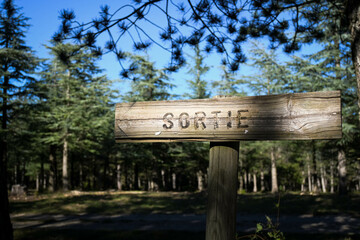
{"x": 255, "y": 183}
{"x": 315, "y": 182}
{"x": 323, "y": 179}
{"x": 342, "y": 172}
{"x": 53, "y": 169}
{"x": 173, "y": 179}
{"x": 274, "y": 183}
{"x": 200, "y": 180}
{"x": 118, "y": 177}
{"x": 332, "y": 177}
{"x": 41, "y": 176}
{"x": 309, "y": 177}
{"x": 353, "y": 14}
{"x": 37, "y": 183}
{"x": 245, "y": 181}
{"x": 5, "y": 222}
{"x": 81, "y": 175}
{"x": 302, "y": 181}
{"x": 65, "y": 174}
{"x": 136, "y": 176}
{"x": 262, "y": 180}
{"x": 163, "y": 183}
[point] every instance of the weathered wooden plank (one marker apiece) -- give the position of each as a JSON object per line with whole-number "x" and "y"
{"x": 222, "y": 191}
{"x": 315, "y": 115}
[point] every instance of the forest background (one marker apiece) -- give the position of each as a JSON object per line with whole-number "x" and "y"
{"x": 58, "y": 113}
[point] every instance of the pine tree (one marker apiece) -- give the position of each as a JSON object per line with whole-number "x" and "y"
{"x": 271, "y": 79}
{"x": 330, "y": 69}
{"x": 147, "y": 84}
{"x": 227, "y": 86}
{"x": 198, "y": 85}
{"x": 77, "y": 103}
{"x": 17, "y": 64}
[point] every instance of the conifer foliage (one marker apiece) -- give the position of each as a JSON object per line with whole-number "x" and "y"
{"x": 17, "y": 64}
{"x": 77, "y": 106}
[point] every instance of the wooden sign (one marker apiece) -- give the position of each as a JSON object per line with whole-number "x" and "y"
{"x": 315, "y": 115}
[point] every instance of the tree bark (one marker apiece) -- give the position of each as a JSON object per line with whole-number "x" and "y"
{"x": 303, "y": 181}
{"x": 342, "y": 172}
{"x": 163, "y": 182}
{"x": 118, "y": 177}
{"x": 136, "y": 176}
{"x": 323, "y": 179}
{"x": 245, "y": 181}
{"x": 353, "y": 15}
{"x": 5, "y": 222}
{"x": 274, "y": 183}
{"x": 173, "y": 180}
{"x": 65, "y": 174}
{"x": 53, "y": 169}
{"x": 200, "y": 180}
{"x": 81, "y": 175}
{"x": 262, "y": 180}
{"x": 315, "y": 187}
{"x": 255, "y": 183}
{"x": 332, "y": 177}
{"x": 309, "y": 175}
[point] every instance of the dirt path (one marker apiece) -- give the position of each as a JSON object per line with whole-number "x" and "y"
{"x": 186, "y": 222}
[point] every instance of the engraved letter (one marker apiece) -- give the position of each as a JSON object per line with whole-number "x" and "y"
{"x": 216, "y": 123}
{"x": 184, "y": 121}
{"x": 168, "y": 124}
{"x": 200, "y": 119}
{"x": 229, "y": 125}
{"x": 241, "y": 118}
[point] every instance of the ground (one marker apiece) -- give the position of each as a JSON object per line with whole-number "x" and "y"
{"x": 329, "y": 216}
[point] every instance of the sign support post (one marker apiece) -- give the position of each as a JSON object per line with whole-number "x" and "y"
{"x": 222, "y": 191}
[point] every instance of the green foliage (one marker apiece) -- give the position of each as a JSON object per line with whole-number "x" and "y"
{"x": 198, "y": 85}
{"x": 227, "y": 86}
{"x": 272, "y": 76}
{"x": 269, "y": 230}
{"x": 148, "y": 83}
{"x": 77, "y": 105}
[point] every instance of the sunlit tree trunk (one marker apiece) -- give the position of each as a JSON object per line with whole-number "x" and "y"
{"x": 315, "y": 182}
{"x": 200, "y": 180}
{"x": 118, "y": 177}
{"x": 173, "y": 180}
{"x": 262, "y": 180}
{"x": 255, "y": 183}
{"x": 274, "y": 183}
{"x": 245, "y": 181}
{"x": 65, "y": 174}
{"x": 163, "y": 182}
{"x": 323, "y": 179}
{"x": 309, "y": 175}
{"x": 303, "y": 181}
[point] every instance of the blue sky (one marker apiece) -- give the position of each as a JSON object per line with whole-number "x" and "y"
{"x": 44, "y": 21}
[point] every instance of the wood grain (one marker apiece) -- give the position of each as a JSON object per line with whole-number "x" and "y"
{"x": 298, "y": 116}
{"x": 222, "y": 191}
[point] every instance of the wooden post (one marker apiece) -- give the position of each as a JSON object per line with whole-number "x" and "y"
{"x": 222, "y": 189}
